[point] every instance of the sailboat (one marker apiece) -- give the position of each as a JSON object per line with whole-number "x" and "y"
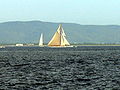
{"x": 41, "y": 40}
{"x": 59, "y": 38}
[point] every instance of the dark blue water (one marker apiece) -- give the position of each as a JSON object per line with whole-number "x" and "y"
{"x": 78, "y": 48}
{"x": 71, "y": 68}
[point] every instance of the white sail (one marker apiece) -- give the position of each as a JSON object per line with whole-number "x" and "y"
{"x": 59, "y": 38}
{"x": 41, "y": 40}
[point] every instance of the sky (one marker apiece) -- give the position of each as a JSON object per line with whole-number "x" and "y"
{"x": 86, "y": 12}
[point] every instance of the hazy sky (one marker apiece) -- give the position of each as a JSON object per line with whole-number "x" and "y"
{"x": 73, "y": 11}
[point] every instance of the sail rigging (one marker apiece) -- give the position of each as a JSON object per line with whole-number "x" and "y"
{"x": 59, "y": 38}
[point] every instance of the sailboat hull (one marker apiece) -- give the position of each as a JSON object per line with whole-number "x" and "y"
{"x": 59, "y": 46}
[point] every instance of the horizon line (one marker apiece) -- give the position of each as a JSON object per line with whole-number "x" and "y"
{"x": 55, "y": 22}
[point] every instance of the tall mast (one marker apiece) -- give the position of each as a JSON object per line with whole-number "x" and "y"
{"x": 60, "y": 33}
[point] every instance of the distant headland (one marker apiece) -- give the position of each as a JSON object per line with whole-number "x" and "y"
{"x": 29, "y": 32}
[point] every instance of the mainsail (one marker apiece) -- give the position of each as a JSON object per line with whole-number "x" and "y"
{"x": 59, "y": 38}
{"x": 41, "y": 40}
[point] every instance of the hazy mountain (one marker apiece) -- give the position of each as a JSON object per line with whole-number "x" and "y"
{"x": 29, "y": 32}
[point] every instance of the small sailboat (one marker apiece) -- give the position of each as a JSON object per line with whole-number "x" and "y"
{"x": 41, "y": 40}
{"x": 59, "y": 38}
{"x": 2, "y": 46}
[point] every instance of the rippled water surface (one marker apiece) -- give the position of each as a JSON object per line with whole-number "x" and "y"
{"x": 76, "y": 68}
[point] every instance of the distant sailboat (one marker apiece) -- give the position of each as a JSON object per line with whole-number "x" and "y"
{"x": 41, "y": 40}
{"x": 59, "y": 40}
